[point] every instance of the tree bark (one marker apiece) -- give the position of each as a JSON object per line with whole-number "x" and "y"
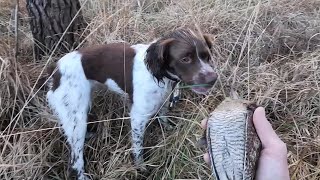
{"x": 49, "y": 20}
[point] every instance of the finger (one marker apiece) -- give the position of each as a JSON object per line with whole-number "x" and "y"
{"x": 206, "y": 158}
{"x": 204, "y": 123}
{"x": 264, "y": 129}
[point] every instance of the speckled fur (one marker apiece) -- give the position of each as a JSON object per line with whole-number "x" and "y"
{"x": 70, "y": 92}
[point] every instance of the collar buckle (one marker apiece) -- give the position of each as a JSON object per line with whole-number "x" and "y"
{"x": 175, "y": 95}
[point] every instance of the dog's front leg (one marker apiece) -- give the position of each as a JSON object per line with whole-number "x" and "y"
{"x": 139, "y": 119}
{"x": 168, "y": 125}
{"x": 169, "y": 104}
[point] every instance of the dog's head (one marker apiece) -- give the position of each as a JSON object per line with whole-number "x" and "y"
{"x": 183, "y": 55}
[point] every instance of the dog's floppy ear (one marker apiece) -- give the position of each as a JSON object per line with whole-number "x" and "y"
{"x": 209, "y": 39}
{"x": 156, "y": 58}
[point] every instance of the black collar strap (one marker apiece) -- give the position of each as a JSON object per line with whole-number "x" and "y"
{"x": 167, "y": 75}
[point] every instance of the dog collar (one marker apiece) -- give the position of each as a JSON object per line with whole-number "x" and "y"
{"x": 169, "y": 73}
{"x": 175, "y": 95}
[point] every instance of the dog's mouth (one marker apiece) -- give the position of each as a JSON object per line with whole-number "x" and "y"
{"x": 201, "y": 89}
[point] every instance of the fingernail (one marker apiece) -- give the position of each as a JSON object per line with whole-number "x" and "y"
{"x": 260, "y": 111}
{"x": 204, "y": 123}
{"x": 206, "y": 158}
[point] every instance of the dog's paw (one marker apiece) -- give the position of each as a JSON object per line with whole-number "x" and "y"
{"x": 83, "y": 177}
{"x": 74, "y": 174}
{"x": 89, "y": 135}
{"x": 169, "y": 127}
{"x": 142, "y": 168}
{"x": 167, "y": 124}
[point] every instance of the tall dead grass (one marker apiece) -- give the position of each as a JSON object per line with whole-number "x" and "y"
{"x": 267, "y": 50}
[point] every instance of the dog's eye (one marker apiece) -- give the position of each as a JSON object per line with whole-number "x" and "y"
{"x": 205, "y": 57}
{"x": 208, "y": 58}
{"x": 185, "y": 60}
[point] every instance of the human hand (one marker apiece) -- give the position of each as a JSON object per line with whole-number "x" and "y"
{"x": 272, "y": 163}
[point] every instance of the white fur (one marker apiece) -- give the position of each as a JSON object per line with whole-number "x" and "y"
{"x": 173, "y": 75}
{"x": 71, "y": 100}
{"x": 113, "y": 86}
{"x": 205, "y": 67}
{"x": 145, "y": 87}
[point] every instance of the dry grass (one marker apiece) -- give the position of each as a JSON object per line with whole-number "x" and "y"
{"x": 267, "y": 50}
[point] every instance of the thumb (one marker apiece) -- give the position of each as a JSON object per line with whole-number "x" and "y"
{"x": 264, "y": 129}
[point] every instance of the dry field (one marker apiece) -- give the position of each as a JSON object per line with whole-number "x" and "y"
{"x": 268, "y": 50}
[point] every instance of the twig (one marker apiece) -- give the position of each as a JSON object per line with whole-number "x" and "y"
{"x": 16, "y": 30}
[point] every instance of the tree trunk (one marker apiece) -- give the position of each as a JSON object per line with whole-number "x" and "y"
{"x": 49, "y": 20}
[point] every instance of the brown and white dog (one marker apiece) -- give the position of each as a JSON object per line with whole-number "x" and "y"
{"x": 143, "y": 72}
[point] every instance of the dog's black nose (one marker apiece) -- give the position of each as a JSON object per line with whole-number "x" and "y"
{"x": 212, "y": 82}
{"x": 211, "y": 77}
